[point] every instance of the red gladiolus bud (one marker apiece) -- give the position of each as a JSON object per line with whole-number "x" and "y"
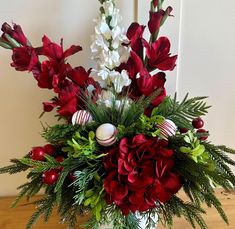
{"x": 155, "y": 21}
{"x": 6, "y": 28}
{"x": 155, "y": 3}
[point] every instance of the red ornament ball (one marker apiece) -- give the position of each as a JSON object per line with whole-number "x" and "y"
{"x": 38, "y": 154}
{"x": 202, "y": 131}
{"x": 198, "y": 123}
{"x": 50, "y": 177}
{"x": 49, "y": 149}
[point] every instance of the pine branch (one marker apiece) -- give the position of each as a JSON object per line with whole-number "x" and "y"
{"x": 44, "y": 206}
{"x": 59, "y": 133}
{"x": 17, "y": 167}
{"x": 177, "y": 207}
{"x": 182, "y": 113}
{"x": 29, "y": 189}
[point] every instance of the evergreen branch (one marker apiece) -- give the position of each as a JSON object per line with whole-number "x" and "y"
{"x": 41, "y": 166}
{"x": 226, "y": 149}
{"x": 59, "y": 133}
{"x": 183, "y": 113}
{"x": 17, "y": 167}
{"x": 45, "y": 207}
{"x": 177, "y": 207}
{"x": 29, "y": 189}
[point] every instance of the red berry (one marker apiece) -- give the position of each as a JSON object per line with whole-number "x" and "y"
{"x": 72, "y": 176}
{"x": 202, "y": 131}
{"x": 49, "y": 149}
{"x": 183, "y": 130}
{"x": 50, "y": 177}
{"x": 59, "y": 159}
{"x": 37, "y": 154}
{"x": 198, "y": 123}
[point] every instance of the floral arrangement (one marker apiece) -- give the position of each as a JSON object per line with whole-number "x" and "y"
{"x": 124, "y": 148}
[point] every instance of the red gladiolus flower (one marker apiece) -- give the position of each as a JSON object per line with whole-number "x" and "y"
{"x": 143, "y": 83}
{"x": 140, "y": 173}
{"x": 79, "y": 76}
{"x": 68, "y": 100}
{"x": 51, "y": 75}
{"x": 159, "y": 54}
{"x": 24, "y": 58}
{"x": 135, "y": 35}
{"x": 55, "y": 52}
{"x": 15, "y": 33}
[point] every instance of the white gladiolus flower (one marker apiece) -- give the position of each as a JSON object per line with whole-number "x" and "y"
{"x": 108, "y": 8}
{"x": 120, "y": 80}
{"x": 108, "y": 50}
{"x": 116, "y": 18}
{"x": 107, "y": 97}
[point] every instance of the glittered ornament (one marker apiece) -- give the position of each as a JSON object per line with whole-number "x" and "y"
{"x": 167, "y": 128}
{"x": 50, "y": 177}
{"x": 38, "y": 154}
{"x": 106, "y": 134}
{"x": 81, "y": 117}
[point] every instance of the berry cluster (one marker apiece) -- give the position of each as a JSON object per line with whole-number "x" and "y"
{"x": 51, "y": 176}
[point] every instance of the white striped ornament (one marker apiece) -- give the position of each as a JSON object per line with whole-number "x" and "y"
{"x": 81, "y": 117}
{"x": 167, "y": 128}
{"x": 106, "y": 134}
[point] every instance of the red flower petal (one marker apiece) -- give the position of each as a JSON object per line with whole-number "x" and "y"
{"x": 72, "y": 50}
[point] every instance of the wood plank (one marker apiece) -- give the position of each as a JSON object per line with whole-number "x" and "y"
{"x": 17, "y": 218}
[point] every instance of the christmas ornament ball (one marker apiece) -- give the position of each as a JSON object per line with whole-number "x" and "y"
{"x": 167, "y": 128}
{"x": 50, "y": 177}
{"x": 106, "y": 134}
{"x": 81, "y": 117}
{"x": 198, "y": 123}
{"x": 38, "y": 153}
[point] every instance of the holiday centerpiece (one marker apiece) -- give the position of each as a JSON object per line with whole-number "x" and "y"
{"x": 124, "y": 148}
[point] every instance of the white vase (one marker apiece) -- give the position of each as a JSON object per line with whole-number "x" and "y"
{"x": 142, "y": 223}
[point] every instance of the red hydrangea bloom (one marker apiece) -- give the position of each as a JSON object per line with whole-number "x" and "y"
{"x": 159, "y": 55}
{"x": 24, "y": 58}
{"x": 140, "y": 173}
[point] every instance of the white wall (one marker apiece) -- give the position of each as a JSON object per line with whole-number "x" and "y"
{"x": 207, "y": 61}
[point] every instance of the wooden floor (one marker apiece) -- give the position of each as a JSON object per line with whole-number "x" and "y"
{"x": 17, "y": 218}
